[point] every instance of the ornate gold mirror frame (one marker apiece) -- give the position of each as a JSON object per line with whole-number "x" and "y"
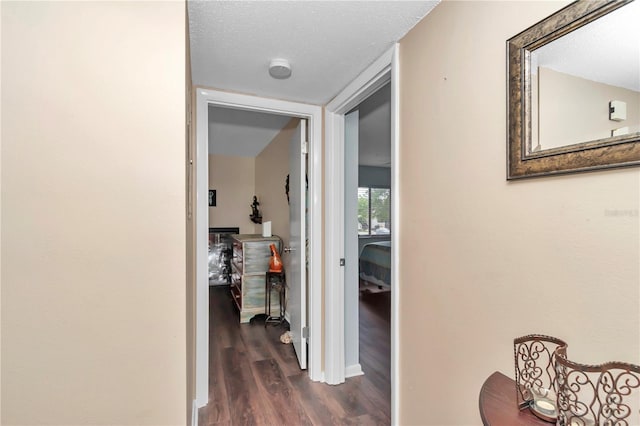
{"x": 522, "y": 160}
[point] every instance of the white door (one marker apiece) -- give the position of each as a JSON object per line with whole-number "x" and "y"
{"x": 295, "y": 254}
{"x": 351, "y": 282}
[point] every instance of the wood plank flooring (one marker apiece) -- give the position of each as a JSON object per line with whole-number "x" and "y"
{"x": 255, "y": 380}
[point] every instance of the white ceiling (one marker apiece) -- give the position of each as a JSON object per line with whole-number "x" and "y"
{"x": 607, "y": 50}
{"x": 328, "y": 43}
{"x": 242, "y": 133}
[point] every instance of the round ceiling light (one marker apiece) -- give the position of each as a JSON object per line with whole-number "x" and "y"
{"x": 280, "y": 69}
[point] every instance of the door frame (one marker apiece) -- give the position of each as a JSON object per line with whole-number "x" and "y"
{"x": 312, "y": 113}
{"x": 384, "y": 69}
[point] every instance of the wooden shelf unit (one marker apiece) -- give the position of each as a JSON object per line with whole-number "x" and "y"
{"x": 250, "y": 263}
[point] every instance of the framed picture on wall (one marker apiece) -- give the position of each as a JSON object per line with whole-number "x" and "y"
{"x": 212, "y": 198}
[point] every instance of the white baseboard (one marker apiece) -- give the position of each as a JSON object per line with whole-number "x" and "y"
{"x": 353, "y": 370}
{"x": 194, "y": 413}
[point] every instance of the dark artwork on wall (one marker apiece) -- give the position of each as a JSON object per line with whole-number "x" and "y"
{"x": 286, "y": 185}
{"x": 286, "y": 188}
{"x": 212, "y": 198}
{"x": 256, "y": 216}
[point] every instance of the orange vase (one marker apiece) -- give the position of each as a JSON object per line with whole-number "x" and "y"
{"x": 275, "y": 265}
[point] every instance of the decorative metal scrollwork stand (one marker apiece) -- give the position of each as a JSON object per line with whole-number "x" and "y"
{"x": 573, "y": 394}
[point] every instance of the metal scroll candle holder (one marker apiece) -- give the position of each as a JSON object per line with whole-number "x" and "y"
{"x": 536, "y": 385}
{"x": 572, "y": 394}
{"x": 535, "y": 364}
{"x": 606, "y": 394}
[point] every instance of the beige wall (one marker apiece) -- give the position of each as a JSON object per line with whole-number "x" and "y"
{"x": 272, "y": 168}
{"x": 1, "y": 174}
{"x": 93, "y": 220}
{"x": 238, "y": 179}
{"x": 483, "y": 260}
{"x": 574, "y": 110}
{"x": 233, "y": 178}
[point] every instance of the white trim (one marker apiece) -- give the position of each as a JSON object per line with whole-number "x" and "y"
{"x": 353, "y": 371}
{"x": 351, "y": 241}
{"x": 194, "y": 413}
{"x": 375, "y": 76}
{"x": 334, "y": 250}
{"x": 316, "y": 260}
{"x": 395, "y": 237}
{"x": 202, "y": 240}
{"x": 313, "y": 113}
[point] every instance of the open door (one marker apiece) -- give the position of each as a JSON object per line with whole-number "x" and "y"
{"x": 295, "y": 254}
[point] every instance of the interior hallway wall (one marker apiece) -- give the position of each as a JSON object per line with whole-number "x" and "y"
{"x": 233, "y": 178}
{"x": 93, "y": 213}
{"x": 272, "y": 168}
{"x": 483, "y": 260}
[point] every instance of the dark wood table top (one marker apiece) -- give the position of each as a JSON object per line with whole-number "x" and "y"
{"x": 498, "y": 404}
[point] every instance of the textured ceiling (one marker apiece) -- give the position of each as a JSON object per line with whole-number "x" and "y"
{"x": 374, "y": 130}
{"x": 607, "y": 50}
{"x": 242, "y": 133}
{"x": 328, "y": 43}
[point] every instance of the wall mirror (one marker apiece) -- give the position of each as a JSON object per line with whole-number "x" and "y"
{"x": 573, "y": 85}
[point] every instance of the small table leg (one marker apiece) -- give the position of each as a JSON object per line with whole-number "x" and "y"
{"x": 275, "y": 281}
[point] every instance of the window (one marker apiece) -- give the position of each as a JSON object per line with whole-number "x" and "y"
{"x": 374, "y": 211}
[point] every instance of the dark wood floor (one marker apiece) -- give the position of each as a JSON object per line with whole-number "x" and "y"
{"x": 255, "y": 380}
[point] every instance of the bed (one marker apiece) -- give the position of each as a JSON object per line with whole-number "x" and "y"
{"x": 375, "y": 264}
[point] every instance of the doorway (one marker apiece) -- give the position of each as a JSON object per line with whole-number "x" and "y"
{"x": 311, "y": 324}
{"x": 367, "y": 229}
{"x": 379, "y": 73}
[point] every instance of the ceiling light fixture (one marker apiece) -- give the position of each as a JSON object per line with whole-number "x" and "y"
{"x": 280, "y": 69}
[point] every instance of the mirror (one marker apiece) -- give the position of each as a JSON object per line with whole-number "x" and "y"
{"x": 574, "y": 91}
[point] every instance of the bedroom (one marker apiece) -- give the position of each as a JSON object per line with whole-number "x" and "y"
{"x": 368, "y": 227}
{"x": 248, "y": 180}
{"x": 374, "y": 222}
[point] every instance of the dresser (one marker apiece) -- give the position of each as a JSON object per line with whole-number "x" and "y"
{"x": 250, "y": 263}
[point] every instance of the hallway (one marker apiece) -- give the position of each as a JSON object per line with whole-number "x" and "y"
{"x": 256, "y": 379}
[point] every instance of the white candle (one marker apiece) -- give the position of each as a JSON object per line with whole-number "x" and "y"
{"x": 585, "y": 421}
{"x": 545, "y": 405}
